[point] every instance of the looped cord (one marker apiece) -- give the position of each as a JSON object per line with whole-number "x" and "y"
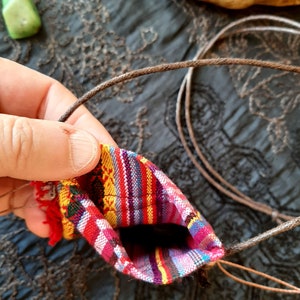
{"x": 292, "y": 289}
{"x": 231, "y": 191}
{"x": 209, "y": 172}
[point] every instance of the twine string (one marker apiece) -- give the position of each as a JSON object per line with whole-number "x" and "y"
{"x": 175, "y": 66}
{"x": 284, "y": 227}
{"x": 186, "y": 86}
{"x": 291, "y": 288}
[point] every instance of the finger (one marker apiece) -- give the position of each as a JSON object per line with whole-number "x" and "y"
{"x": 35, "y": 218}
{"x": 25, "y": 92}
{"x": 43, "y": 150}
{"x": 18, "y": 198}
{"x": 9, "y": 188}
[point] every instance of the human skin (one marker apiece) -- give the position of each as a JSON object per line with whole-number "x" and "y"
{"x": 34, "y": 145}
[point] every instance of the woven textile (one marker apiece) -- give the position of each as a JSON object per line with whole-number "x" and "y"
{"x": 134, "y": 216}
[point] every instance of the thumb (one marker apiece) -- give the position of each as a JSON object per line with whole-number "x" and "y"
{"x": 44, "y": 150}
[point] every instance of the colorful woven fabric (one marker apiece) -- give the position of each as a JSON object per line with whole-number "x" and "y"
{"x": 135, "y": 217}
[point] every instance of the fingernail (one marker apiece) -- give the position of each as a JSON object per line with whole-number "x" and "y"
{"x": 84, "y": 150}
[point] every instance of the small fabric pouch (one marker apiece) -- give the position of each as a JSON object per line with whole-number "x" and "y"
{"x": 133, "y": 215}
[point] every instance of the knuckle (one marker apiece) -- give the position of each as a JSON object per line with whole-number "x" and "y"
{"x": 22, "y": 136}
{"x": 18, "y": 137}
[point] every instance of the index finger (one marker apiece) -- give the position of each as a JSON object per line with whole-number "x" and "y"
{"x": 28, "y": 93}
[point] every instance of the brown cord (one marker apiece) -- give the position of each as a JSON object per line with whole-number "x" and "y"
{"x": 292, "y": 289}
{"x": 235, "y": 194}
{"x": 286, "y": 226}
{"x": 175, "y": 66}
{"x": 232, "y": 191}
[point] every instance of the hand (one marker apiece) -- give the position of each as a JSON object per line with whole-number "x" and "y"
{"x": 34, "y": 146}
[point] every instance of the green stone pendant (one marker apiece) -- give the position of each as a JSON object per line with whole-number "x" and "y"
{"x": 21, "y": 18}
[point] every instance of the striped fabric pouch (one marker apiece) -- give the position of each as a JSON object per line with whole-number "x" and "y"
{"x": 133, "y": 215}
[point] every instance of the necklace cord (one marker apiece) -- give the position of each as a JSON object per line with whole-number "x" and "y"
{"x": 211, "y": 175}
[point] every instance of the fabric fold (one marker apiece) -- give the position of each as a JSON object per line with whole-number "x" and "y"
{"x": 135, "y": 217}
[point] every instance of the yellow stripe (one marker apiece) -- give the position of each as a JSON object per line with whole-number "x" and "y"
{"x": 64, "y": 200}
{"x": 160, "y": 267}
{"x": 149, "y": 196}
{"x": 108, "y": 172}
{"x": 109, "y": 186}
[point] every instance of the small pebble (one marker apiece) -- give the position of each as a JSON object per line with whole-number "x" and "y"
{"x": 21, "y": 18}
